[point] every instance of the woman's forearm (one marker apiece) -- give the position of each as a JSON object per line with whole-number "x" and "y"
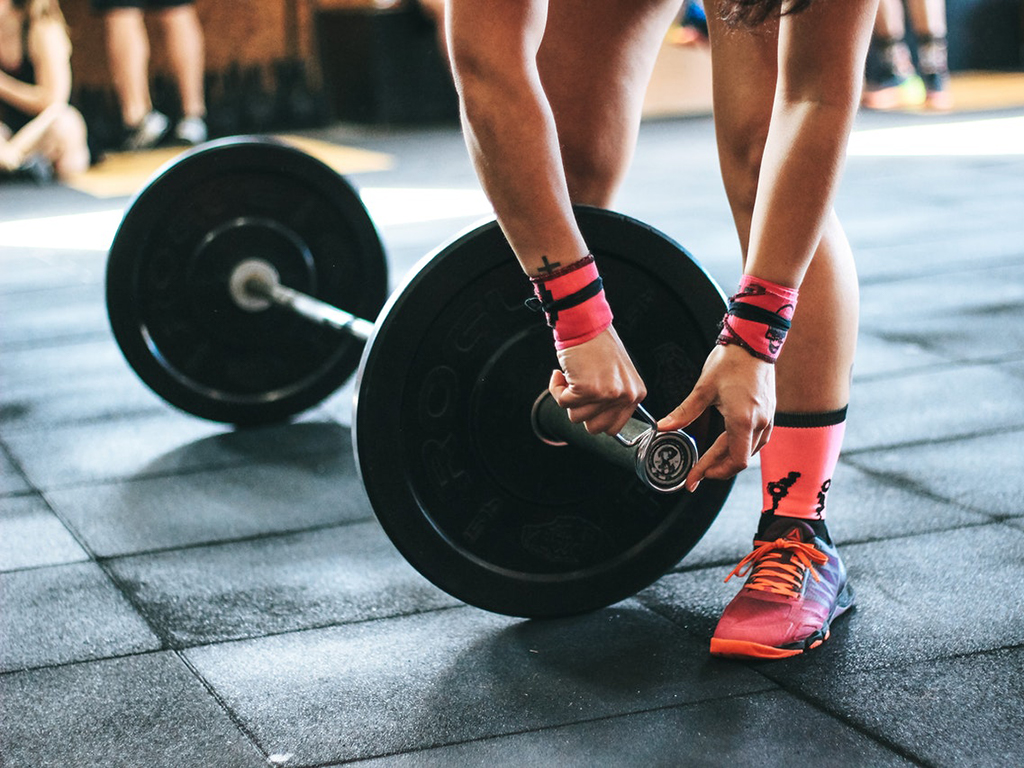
{"x": 510, "y": 129}
{"x": 520, "y": 168}
{"x": 800, "y": 171}
{"x": 816, "y": 100}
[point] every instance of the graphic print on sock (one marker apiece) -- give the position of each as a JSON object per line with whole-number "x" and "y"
{"x": 779, "y": 489}
{"x": 821, "y": 497}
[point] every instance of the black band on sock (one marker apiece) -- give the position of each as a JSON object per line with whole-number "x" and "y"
{"x": 811, "y": 420}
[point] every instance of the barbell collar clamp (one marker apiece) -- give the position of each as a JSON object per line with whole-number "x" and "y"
{"x": 661, "y": 460}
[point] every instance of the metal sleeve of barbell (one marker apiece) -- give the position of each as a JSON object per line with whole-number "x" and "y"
{"x": 554, "y": 422}
{"x": 321, "y": 312}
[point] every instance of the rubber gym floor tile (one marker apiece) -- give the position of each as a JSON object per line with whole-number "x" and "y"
{"x": 769, "y": 729}
{"x": 989, "y": 246}
{"x": 963, "y": 315}
{"x": 165, "y": 443}
{"x": 985, "y": 473}
{"x": 45, "y": 268}
{"x": 289, "y": 493}
{"x": 918, "y": 598}
{"x": 31, "y": 535}
{"x": 959, "y": 400}
{"x": 66, "y": 613}
{"x": 860, "y": 507}
{"x": 962, "y": 712}
{"x": 147, "y": 710}
{"x": 879, "y": 357}
{"x": 269, "y": 586}
{"x": 59, "y": 316}
{"x": 394, "y": 685}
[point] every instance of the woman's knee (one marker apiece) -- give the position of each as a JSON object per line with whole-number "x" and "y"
{"x": 593, "y": 171}
{"x": 741, "y": 148}
{"x": 70, "y": 142}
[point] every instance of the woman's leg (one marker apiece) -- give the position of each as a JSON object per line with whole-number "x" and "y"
{"x": 812, "y": 384}
{"x": 595, "y": 62}
{"x": 185, "y": 50}
{"x": 128, "y": 55}
{"x": 67, "y": 144}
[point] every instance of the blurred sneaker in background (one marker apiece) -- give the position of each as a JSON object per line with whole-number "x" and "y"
{"x": 191, "y": 130}
{"x": 148, "y": 133}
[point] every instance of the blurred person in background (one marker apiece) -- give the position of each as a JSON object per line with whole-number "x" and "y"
{"x": 892, "y": 81}
{"x": 128, "y": 55}
{"x": 40, "y": 133}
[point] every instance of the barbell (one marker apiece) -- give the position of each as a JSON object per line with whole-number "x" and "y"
{"x": 238, "y": 284}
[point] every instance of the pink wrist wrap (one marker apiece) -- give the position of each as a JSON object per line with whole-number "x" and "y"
{"x": 759, "y": 317}
{"x": 573, "y": 302}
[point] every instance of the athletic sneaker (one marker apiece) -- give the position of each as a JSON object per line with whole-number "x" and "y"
{"x": 148, "y": 133}
{"x": 900, "y": 92}
{"x": 190, "y": 130}
{"x": 890, "y": 81}
{"x": 795, "y": 588}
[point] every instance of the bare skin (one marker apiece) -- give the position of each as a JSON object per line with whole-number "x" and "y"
{"x": 57, "y": 130}
{"x": 128, "y": 54}
{"x": 573, "y": 74}
{"x": 928, "y": 17}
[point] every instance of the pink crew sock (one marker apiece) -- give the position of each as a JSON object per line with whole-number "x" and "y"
{"x": 798, "y": 462}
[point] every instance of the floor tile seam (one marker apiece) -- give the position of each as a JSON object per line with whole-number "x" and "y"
{"x": 140, "y": 609}
{"x": 20, "y": 494}
{"x": 185, "y": 647}
{"x": 946, "y": 360}
{"x": 895, "y": 667}
{"x": 821, "y": 705}
{"x": 125, "y": 416}
{"x": 774, "y": 689}
{"x": 946, "y": 269}
{"x": 283, "y": 533}
{"x": 907, "y": 483}
{"x": 209, "y": 467}
{"x": 106, "y": 568}
{"x": 235, "y": 719}
{"x": 79, "y": 662}
{"x": 954, "y": 437}
{"x": 655, "y": 608}
{"x": 92, "y": 557}
{"x": 18, "y": 467}
{"x": 179, "y": 648}
{"x": 53, "y": 342}
{"x": 938, "y": 366}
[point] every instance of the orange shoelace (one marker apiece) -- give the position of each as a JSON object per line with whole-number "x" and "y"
{"x": 779, "y": 566}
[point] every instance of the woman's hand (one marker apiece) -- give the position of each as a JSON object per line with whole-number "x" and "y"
{"x": 742, "y": 388}
{"x": 598, "y": 384}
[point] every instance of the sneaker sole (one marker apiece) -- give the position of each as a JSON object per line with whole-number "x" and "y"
{"x": 747, "y": 649}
